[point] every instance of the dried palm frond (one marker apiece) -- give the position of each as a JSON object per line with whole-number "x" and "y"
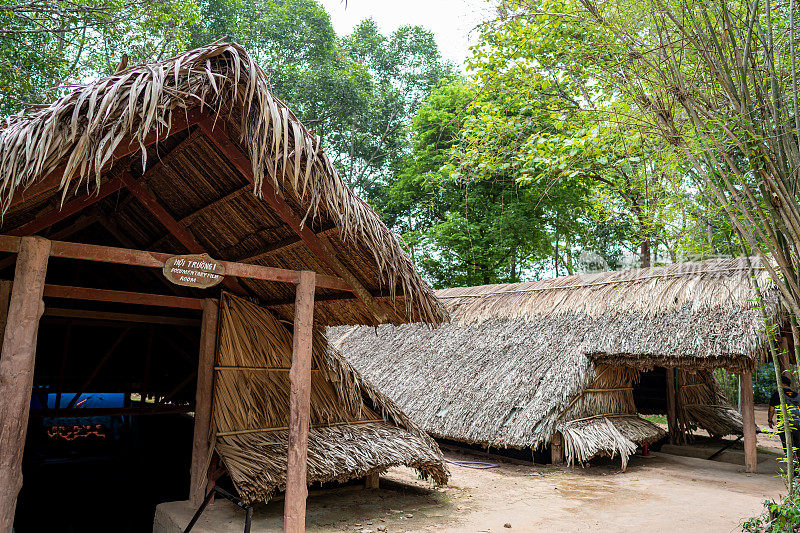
{"x": 355, "y": 429}
{"x": 701, "y": 404}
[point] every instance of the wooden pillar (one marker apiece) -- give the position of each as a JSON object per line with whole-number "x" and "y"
{"x": 294, "y": 511}
{"x": 16, "y": 368}
{"x": 5, "y": 299}
{"x": 556, "y": 449}
{"x": 749, "y": 422}
{"x": 202, "y": 409}
{"x": 372, "y": 481}
{"x": 672, "y": 412}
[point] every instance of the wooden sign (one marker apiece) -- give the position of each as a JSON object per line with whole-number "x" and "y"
{"x": 198, "y": 271}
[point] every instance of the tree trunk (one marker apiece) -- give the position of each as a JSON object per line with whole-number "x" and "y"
{"x": 644, "y": 255}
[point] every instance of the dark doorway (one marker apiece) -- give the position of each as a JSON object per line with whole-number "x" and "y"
{"x": 650, "y": 395}
{"x": 95, "y": 461}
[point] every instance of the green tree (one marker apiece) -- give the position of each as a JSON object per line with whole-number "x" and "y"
{"x": 48, "y": 44}
{"x": 357, "y": 92}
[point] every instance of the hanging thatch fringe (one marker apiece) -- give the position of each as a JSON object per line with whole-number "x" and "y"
{"x": 355, "y": 429}
{"x": 81, "y": 130}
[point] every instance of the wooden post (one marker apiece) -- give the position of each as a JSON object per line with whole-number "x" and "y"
{"x": 672, "y": 414}
{"x": 16, "y": 368}
{"x": 372, "y": 481}
{"x": 202, "y": 408}
{"x": 749, "y": 423}
{"x": 556, "y": 449}
{"x": 5, "y": 300}
{"x": 294, "y": 510}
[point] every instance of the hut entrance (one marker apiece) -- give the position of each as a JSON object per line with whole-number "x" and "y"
{"x": 690, "y": 399}
{"x": 109, "y": 433}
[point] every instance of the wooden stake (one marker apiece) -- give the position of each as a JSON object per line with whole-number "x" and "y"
{"x": 749, "y": 422}
{"x": 202, "y": 412}
{"x": 672, "y": 412}
{"x": 372, "y": 481}
{"x": 16, "y": 369}
{"x": 294, "y": 510}
{"x": 556, "y": 449}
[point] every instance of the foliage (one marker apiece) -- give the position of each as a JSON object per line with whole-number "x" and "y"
{"x": 357, "y": 92}
{"x": 779, "y": 517}
{"x": 47, "y": 44}
{"x": 763, "y": 383}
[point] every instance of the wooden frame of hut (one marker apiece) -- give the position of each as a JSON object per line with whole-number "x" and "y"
{"x": 195, "y": 155}
{"x": 558, "y": 362}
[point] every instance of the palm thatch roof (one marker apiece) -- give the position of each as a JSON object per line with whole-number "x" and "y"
{"x": 355, "y": 429}
{"x": 521, "y": 362}
{"x": 145, "y": 121}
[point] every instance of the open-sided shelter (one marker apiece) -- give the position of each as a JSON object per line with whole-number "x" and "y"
{"x": 102, "y": 190}
{"x": 576, "y": 358}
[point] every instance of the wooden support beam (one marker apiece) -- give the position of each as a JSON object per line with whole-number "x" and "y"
{"x": 123, "y": 297}
{"x": 68, "y": 209}
{"x": 201, "y": 446}
{"x": 182, "y": 234}
{"x": 5, "y": 299}
{"x": 294, "y": 510}
{"x": 372, "y": 481}
{"x": 99, "y": 367}
{"x": 191, "y": 217}
{"x": 16, "y": 369}
{"x": 180, "y": 121}
{"x": 318, "y": 244}
{"x": 749, "y": 424}
{"x": 112, "y": 411}
{"x": 271, "y": 249}
{"x": 557, "y": 449}
{"x": 127, "y": 256}
{"x": 672, "y": 413}
{"x": 135, "y": 318}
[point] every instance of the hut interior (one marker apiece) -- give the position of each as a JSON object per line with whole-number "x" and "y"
{"x": 99, "y": 191}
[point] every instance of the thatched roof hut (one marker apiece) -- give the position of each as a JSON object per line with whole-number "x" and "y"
{"x": 205, "y": 136}
{"x": 196, "y": 155}
{"x": 522, "y": 362}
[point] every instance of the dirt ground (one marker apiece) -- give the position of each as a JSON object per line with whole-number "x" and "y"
{"x": 660, "y": 493}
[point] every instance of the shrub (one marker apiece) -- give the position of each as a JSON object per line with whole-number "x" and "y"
{"x": 778, "y": 517}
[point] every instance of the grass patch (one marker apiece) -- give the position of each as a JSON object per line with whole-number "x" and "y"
{"x": 655, "y": 419}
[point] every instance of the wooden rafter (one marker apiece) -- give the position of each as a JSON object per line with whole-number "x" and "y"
{"x": 68, "y": 209}
{"x": 126, "y": 297}
{"x": 280, "y": 245}
{"x": 182, "y": 234}
{"x": 130, "y": 318}
{"x": 180, "y": 122}
{"x": 321, "y": 248}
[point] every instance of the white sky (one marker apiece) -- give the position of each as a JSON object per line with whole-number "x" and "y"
{"x": 451, "y": 21}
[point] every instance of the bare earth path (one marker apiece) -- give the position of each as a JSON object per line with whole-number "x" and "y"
{"x": 661, "y": 493}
